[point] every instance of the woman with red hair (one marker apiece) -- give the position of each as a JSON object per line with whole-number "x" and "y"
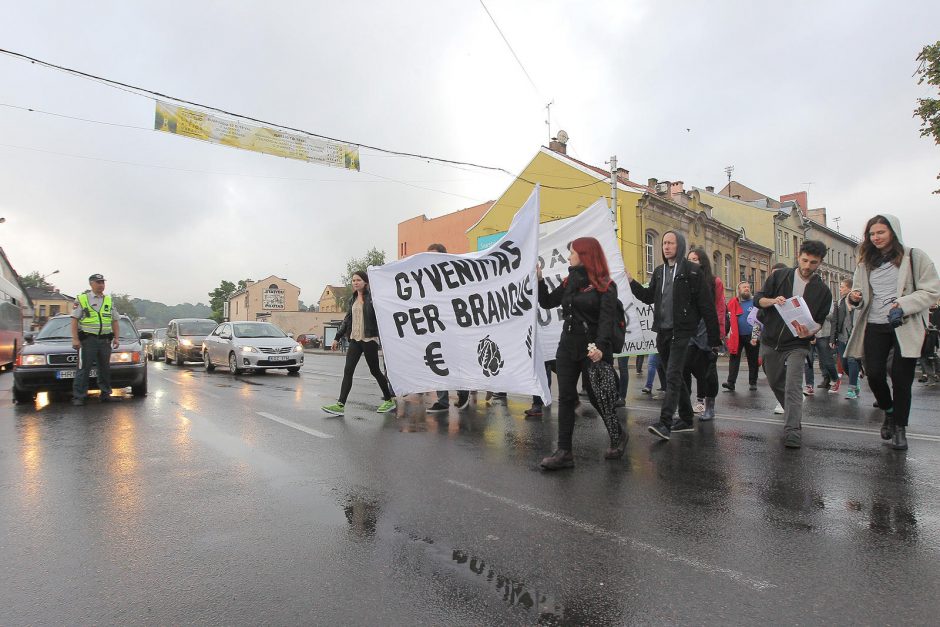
{"x": 588, "y": 300}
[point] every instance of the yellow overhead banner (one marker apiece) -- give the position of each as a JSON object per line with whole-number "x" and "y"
{"x": 247, "y": 136}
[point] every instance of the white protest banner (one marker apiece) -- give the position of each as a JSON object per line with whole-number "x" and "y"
{"x": 465, "y": 322}
{"x": 596, "y": 222}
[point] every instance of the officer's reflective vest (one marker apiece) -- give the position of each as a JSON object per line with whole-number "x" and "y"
{"x": 95, "y": 322}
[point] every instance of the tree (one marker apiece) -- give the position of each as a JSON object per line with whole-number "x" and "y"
{"x": 221, "y": 294}
{"x": 929, "y": 108}
{"x": 34, "y": 279}
{"x": 373, "y": 257}
{"x": 122, "y": 304}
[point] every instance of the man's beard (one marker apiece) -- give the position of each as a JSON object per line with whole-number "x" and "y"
{"x": 744, "y": 296}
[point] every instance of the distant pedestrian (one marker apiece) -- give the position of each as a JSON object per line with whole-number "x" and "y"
{"x": 842, "y": 323}
{"x": 588, "y": 298}
{"x": 819, "y": 347}
{"x": 701, "y": 360}
{"x": 739, "y": 338}
{"x": 653, "y": 370}
{"x": 362, "y": 330}
{"x": 782, "y": 352}
{"x": 893, "y": 287}
{"x": 680, "y": 301}
{"x": 443, "y": 396}
{"x": 95, "y": 332}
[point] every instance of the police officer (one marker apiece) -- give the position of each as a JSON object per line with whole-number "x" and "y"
{"x": 94, "y": 333}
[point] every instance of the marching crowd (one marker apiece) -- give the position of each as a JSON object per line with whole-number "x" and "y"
{"x": 883, "y": 323}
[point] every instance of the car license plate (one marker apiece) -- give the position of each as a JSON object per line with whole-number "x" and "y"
{"x": 70, "y": 374}
{"x": 278, "y": 358}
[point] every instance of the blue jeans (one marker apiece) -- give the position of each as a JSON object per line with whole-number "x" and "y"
{"x": 95, "y": 351}
{"x": 652, "y": 368}
{"x": 851, "y": 365}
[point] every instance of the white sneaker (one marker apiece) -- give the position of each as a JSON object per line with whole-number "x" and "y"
{"x": 778, "y": 409}
{"x": 699, "y": 406}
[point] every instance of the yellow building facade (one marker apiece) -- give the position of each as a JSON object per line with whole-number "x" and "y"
{"x": 569, "y": 186}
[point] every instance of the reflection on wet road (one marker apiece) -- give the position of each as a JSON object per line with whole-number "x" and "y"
{"x": 221, "y": 499}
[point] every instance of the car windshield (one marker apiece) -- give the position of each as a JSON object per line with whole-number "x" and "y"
{"x": 258, "y": 330}
{"x": 159, "y": 334}
{"x": 197, "y": 327}
{"x": 61, "y": 329}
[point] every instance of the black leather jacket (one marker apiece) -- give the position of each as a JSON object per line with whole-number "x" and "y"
{"x": 369, "y": 324}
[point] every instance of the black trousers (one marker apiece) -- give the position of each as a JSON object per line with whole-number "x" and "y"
{"x": 734, "y": 363}
{"x": 571, "y": 364}
{"x": 371, "y": 351}
{"x": 672, "y": 353}
{"x": 702, "y": 364}
{"x": 879, "y": 340}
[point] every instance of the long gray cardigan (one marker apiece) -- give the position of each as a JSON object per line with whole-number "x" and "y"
{"x": 915, "y": 304}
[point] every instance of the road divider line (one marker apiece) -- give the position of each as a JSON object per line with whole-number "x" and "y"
{"x": 806, "y": 425}
{"x": 600, "y": 532}
{"x": 294, "y": 425}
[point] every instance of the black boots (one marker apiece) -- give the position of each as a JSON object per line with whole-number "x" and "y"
{"x": 899, "y": 442}
{"x": 887, "y": 428}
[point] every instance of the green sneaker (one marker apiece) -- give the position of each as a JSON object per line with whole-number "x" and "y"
{"x": 337, "y": 409}
{"x": 852, "y": 393}
{"x": 386, "y": 406}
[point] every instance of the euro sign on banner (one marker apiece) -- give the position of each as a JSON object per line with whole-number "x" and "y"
{"x": 465, "y": 322}
{"x": 595, "y": 221}
{"x": 238, "y": 133}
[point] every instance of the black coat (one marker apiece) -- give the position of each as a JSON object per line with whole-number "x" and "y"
{"x": 780, "y": 283}
{"x": 589, "y": 315}
{"x": 692, "y": 301}
{"x": 369, "y": 324}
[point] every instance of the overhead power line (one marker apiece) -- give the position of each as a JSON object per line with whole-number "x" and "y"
{"x": 508, "y": 45}
{"x": 152, "y": 94}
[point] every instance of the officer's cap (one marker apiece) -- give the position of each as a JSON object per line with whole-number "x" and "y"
{"x": 95, "y": 277}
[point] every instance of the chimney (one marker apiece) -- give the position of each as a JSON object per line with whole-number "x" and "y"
{"x": 663, "y": 188}
{"x": 559, "y": 144}
{"x": 623, "y": 173}
{"x": 677, "y": 188}
{"x": 651, "y": 183}
{"x": 710, "y": 188}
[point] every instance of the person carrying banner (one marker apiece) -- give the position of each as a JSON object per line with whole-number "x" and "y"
{"x": 361, "y": 328}
{"x": 680, "y": 301}
{"x": 588, "y": 298}
{"x": 443, "y": 396}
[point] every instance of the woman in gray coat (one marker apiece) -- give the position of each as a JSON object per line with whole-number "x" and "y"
{"x": 894, "y": 287}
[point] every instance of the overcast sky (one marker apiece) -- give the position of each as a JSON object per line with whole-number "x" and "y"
{"x": 793, "y": 93}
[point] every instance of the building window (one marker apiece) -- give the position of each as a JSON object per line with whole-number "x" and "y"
{"x": 42, "y": 311}
{"x": 743, "y": 272}
{"x": 650, "y": 252}
{"x": 796, "y": 246}
{"x": 763, "y": 278}
{"x": 54, "y": 310}
{"x": 716, "y": 263}
{"x": 728, "y": 264}
{"x": 779, "y": 242}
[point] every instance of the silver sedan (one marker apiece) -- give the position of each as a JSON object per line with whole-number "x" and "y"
{"x": 254, "y": 346}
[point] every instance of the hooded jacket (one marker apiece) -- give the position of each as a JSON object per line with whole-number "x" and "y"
{"x": 692, "y": 301}
{"x": 780, "y": 283}
{"x": 914, "y": 303}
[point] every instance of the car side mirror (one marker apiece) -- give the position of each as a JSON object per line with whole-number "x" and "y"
{"x": 290, "y": 335}
{"x": 225, "y": 336}
{"x": 29, "y": 337}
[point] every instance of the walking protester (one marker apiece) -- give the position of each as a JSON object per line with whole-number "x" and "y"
{"x": 928, "y": 356}
{"x": 588, "y": 299}
{"x": 819, "y": 347}
{"x": 443, "y": 396}
{"x": 623, "y": 380}
{"x": 701, "y": 360}
{"x": 893, "y": 287}
{"x": 362, "y": 331}
{"x": 757, "y": 328}
{"x": 639, "y": 364}
{"x": 842, "y": 323}
{"x": 680, "y": 300}
{"x": 95, "y": 332}
{"x": 782, "y": 352}
{"x": 739, "y": 339}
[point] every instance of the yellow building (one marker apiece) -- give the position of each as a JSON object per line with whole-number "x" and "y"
{"x": 259, "y": 299}
{"x": 333, "y": 298}
{"x": 569, "y": 186}
{"x": 48, "y": 303}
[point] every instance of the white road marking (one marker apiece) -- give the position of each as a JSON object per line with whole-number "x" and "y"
{"x": 806, "y": 425}
{"x": 600, "y": 532}
{"x": 294, "y": 425}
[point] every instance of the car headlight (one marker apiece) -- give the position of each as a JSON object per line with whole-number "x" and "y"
{"x": 31, "y": 360}
{"x": 249, "y": 349}
{"x": 158, "y": 344}
{"x": 186, "y": 342}
{"x": 298, "y": 349}
{"x": 125, "y": 357}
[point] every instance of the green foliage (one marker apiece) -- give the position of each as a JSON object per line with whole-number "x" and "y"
{"x": 373, "y": 257}
{"x": 34, "y": 279}
{"x": 928, "y": 109}
{"x": 219, "y": 295}
{"x": 123, "y": 304}
{"x": 158, "y": 314}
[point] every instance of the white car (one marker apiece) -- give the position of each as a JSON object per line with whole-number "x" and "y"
{"x": 254, "y": 346}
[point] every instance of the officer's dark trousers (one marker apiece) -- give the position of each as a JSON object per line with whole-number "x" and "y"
{"x": 672, "y": 355}
{"x": 95, "y": 352}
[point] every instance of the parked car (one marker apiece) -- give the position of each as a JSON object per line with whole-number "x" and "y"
{"x": 256, "y": 346}
{"x": 49, "y": 363}
{"x": 184, "y": 338}
{"x": 154, "y": 348}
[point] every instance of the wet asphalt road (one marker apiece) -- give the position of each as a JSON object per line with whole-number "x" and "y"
{"x": 234, "y": 500}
